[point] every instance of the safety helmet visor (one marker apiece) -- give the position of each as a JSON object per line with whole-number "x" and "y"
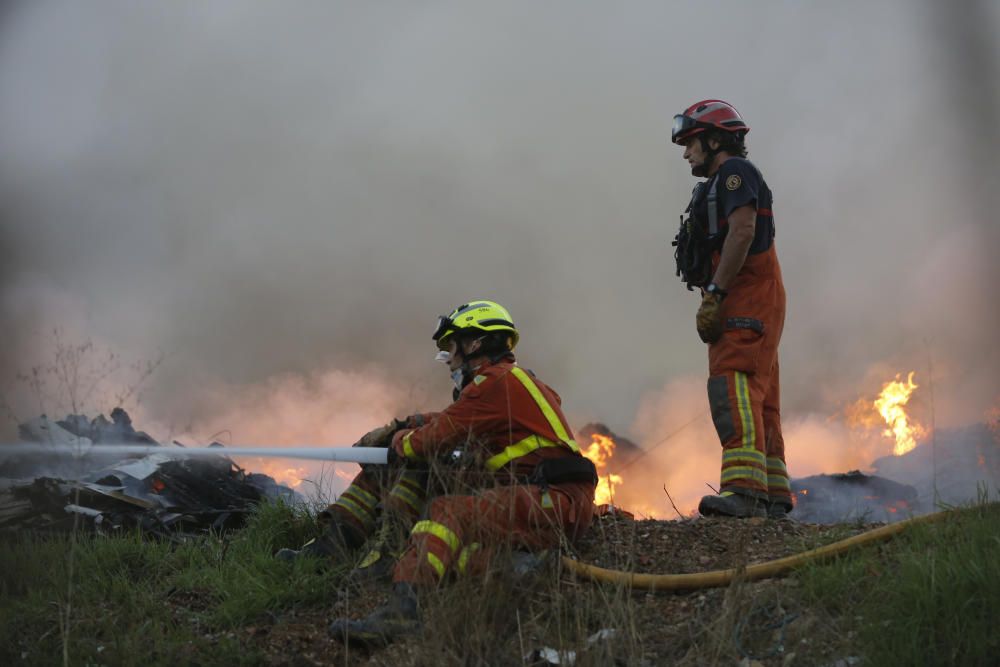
{"x": 445, "y": 326}
{"x": 682, "y": 127}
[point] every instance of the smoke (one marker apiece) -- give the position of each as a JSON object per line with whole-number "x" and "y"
{"x": 330, "y": 408}
{"x": 268, "y": 199}
{"x": 673, "y": 424}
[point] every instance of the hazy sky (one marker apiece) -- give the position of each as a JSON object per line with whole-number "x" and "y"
{"x": 279, "y": 190}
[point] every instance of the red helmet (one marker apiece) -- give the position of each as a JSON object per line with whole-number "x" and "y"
{"x": 706, "y": 115}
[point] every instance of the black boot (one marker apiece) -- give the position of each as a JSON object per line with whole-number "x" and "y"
{"x": 399, "y": 617}
{"x": 779, "y": 510}
{"x": 377, "y": 565}
{"x": 732, "y": 504}
{"x": 335, "y": 543}
{"x": 385, "y": 550}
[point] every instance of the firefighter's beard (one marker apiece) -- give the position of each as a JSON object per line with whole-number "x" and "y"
{"x": 701, "y": 170}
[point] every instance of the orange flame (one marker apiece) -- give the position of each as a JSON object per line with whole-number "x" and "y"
{"x": 279, "y": 470}
{"x": 890, "y": 404}
{"x": 600, "y": 451}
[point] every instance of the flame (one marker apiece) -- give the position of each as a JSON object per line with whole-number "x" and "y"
{"x": 600, "y": 451}
{"x": 279, "y": 470}
{"x": 890, "y": 403}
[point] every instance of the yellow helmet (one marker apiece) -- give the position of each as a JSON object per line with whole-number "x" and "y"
{"x": 482, "y": 315}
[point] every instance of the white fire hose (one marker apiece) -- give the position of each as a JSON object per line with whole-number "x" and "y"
{"x": 373, "y": 455}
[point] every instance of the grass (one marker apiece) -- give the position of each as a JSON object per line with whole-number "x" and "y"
{"x": 929, "y": 597}
{"x": 136, "y": 601}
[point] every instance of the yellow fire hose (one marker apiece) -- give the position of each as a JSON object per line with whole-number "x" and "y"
{"x": 694, "y": 581}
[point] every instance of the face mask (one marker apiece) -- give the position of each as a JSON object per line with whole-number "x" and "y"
{"x": 458, "y": 378}
{"x": 444, "y": 356}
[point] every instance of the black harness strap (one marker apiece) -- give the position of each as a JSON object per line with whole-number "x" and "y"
{"x": 563, "y": 471}
{"x": 713, "y": 209}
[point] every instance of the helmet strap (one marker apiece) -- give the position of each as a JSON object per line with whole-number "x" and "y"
{"x": 710, "y": 154}
{"x": 465, "y": 367}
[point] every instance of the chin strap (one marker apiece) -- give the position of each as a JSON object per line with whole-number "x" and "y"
{"x": 710, "y": 156}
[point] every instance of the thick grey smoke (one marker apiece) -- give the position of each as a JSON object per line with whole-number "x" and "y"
{"x": 256, "y": 191}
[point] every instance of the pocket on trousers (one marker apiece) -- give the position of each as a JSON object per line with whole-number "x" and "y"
{"x": 737, "y": 350}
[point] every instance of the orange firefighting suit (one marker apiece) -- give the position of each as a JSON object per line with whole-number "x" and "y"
{"x": 743, "y": 386}
{"x": 510, "y": 422}
{"x": 374, "y": 490}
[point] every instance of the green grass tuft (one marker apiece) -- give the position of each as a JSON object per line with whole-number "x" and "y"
{"x": 929, "y": 597}
{"x": 134, "y": 601}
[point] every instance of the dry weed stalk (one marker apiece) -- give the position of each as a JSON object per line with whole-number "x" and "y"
{"x": 78, "y": 372}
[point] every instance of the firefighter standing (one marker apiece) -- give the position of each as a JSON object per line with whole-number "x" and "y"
{"x": 726, "y": 248}
{"x": 539, "y": 489}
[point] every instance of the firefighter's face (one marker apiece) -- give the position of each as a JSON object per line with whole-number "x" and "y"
{"x": 462, "y": 350}
{"x": 454, "y": 354}
{"x": 697, "y": 156}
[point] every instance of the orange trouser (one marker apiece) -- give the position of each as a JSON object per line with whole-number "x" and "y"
{"x": 462, "y": 532}
{"x": 374, "y": 490}
{"x": 743, "y": 387}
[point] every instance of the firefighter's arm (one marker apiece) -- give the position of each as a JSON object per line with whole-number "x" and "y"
{"x": 742, "y": 226}
{"x": 382, "y": 436}
{"x": 448, "y": 430}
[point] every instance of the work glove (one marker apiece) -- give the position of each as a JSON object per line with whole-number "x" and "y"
{"x": 381, "y": 436}
{"x": 709, "y": 318}
{"x": 392, "y": 458}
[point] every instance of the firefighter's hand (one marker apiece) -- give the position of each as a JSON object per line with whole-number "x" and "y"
{"x": 403, "y": 451}
{"x": 380, "y": 437}
{"x": 709, "y": 318}
{"x": 392, "y": 458}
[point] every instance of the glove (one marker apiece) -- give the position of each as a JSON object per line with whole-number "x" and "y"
{"x": 709, "y": 318}
{"x": 381, "y": 436}
{"x": 392, "y": 458}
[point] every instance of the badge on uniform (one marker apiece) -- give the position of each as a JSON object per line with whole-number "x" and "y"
{"x": 733, "y": 182}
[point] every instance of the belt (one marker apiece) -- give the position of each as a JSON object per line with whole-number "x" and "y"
{"x": 563, "y": 470}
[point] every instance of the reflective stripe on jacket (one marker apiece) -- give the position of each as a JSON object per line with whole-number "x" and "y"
{"x": 505, "y": 416}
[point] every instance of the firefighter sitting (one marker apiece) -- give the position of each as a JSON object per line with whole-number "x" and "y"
{"x": 537, "y": 487}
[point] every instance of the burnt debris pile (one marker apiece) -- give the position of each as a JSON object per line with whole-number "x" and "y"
{"x": 159, "y": 494}
{"x": 852, "y": 496}
{"x": 952, "y": 467}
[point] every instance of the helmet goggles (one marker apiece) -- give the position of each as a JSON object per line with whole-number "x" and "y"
{"x": 445, "y": 326}
{"x": 683, "y": 125}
